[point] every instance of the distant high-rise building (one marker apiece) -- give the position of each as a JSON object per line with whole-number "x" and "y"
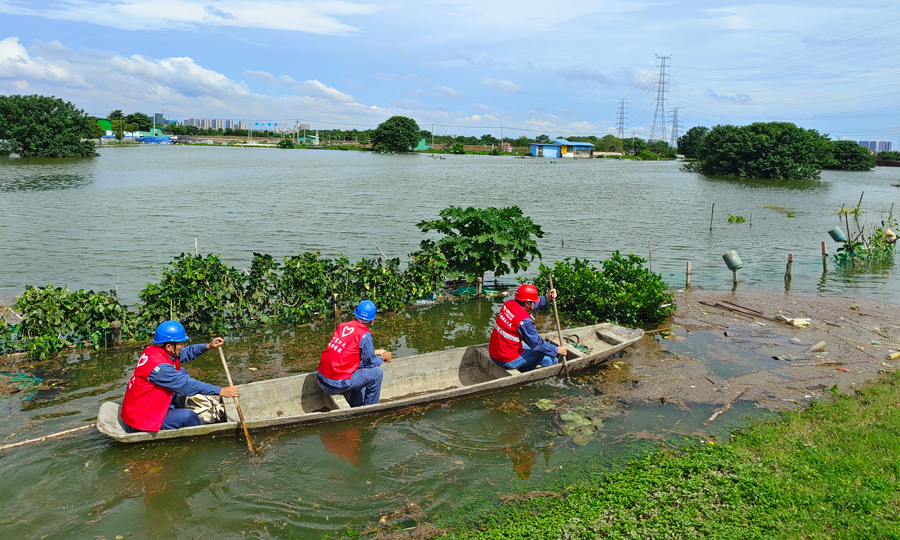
{"x": 242, "y": 125}
{"x": 158, "y": 119}
{"x": 884, "y": 146}
{"x": 871, "y": 145}
{"x": 304, "y": 126}
{"x": 228, "y": 124}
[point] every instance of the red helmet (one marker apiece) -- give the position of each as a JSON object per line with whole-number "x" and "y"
{"x": 527, "y": 293}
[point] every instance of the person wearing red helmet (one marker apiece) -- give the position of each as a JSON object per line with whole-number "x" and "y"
{"x": 515, "y": 342}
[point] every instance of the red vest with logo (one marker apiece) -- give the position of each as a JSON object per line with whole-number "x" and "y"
{"x": 145, "y": 404}
{"x": 506, "y": 343}
{"x": 341, "y": 357}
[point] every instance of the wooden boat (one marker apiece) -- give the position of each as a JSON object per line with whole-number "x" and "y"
{"x": 415, "y": 380}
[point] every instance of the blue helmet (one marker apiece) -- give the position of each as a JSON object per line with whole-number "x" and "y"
{"x": 169, "y": 332}
{"x": 365, "y": 311}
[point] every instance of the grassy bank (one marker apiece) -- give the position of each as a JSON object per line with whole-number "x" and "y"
{"x": 830, "y": 471}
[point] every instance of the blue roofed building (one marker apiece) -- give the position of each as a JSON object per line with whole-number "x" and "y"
{"x": 562, "y": 148}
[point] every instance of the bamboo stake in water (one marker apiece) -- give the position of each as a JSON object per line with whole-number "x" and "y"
{"x": 558, "y": 330}
{"x": 236, "y": 404}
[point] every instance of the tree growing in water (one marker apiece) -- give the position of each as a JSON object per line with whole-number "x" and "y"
{"x": 41, "y": 126}
{"x": 778, "y": 150}
{"x": 850, "y": 156}
{"x": 479, "y": 240}
{"x": 396, "y": 134}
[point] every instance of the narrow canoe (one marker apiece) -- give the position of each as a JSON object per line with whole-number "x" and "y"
{"x": 415, "y": 380}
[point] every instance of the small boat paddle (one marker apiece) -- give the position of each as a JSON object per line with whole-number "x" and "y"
{"x": 558, "y": 331}
{"x": 236, "y": 404}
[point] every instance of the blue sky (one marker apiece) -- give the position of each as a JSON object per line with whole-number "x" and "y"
{"x": 467, "y": 66}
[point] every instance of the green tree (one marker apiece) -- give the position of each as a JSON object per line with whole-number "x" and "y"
{"x": 396, "y": 134}
{"x": 661, "y": 149}
{"x": 285, "y": 143}
{"x": 458, "y": 148}
{"x": 41, "y": 126}
{"x": 633, "y": 146}
{"x": 144, "y": 122}
{"x": 115, "y": 115}
{"x": 120, "y": 128}
{"x": 689, "y": 143}
{"x": 488, "y": 139}
{"x": 522, "y": 142}
{"x": 850, "y": 156}
{"x": 888, "y": 156}
{"x": 609, "y": 143}
{"x": 96, "y": 130}
{"x": 479, "y": 240}
{"x": 543, "y": 139}
{"x": 778, "y": 150}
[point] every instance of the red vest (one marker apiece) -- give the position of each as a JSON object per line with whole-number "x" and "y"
{"x": 506, "y": 343}
{"x": 341, "y": 357}
{"x": 145, "y": 404}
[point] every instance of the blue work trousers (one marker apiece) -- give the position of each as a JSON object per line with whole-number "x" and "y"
{"x": 528, "y": 361}
{"x": 364, "y": 386}
{"x": 175, "y": 418}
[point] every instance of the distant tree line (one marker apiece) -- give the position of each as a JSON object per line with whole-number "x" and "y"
{"x": 778, "y": 150}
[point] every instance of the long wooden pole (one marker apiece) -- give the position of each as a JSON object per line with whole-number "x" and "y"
{"x": 237, "y": 405}
{"x": 45, "y": 437}
{"x": 558, "y": 330}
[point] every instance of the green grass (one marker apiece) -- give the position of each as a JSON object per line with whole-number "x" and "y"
{"x": 827, "y": 472}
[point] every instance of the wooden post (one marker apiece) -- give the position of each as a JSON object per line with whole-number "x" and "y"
{"x": 789, "y": 270}
{"x": 116, "y": 327}
{"x": 337, "y": 310}
{"x": 751, "y": 220}
{"x": 824, "y": 256}
{"x": 479, "y": 283}
{"x": 711, "y": 220}
{"x": 688, "y": 276}
{"x": 734, "y": 277}
{"x": 649, "y": 257}
{"x": 196, "y": 251}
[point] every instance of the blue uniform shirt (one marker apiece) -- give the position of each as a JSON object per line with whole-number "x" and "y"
{"x": 180, "y": 382}
{"x": 530, "y": 335}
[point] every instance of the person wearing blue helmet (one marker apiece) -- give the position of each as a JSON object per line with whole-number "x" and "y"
{"x": 149, "y": 400}
{"x": 351, "y": 363}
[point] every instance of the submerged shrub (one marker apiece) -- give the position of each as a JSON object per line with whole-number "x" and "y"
{"x": 621, "y": 291}
{"x": 56, "y": 318}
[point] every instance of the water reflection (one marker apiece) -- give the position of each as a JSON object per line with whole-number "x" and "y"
{"x": 50, "y": 182}
{"x": 761, "y": 183}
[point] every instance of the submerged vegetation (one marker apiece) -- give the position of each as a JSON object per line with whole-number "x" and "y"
{"x": 208, "y": 296}
{"x": 622, "y": 290}
{"x": 829, "y": 471}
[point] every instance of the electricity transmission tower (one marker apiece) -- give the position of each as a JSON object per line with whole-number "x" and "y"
{"x": 621, "y": 133}
{"x": 675, "y": 132}
{"x": 658, "y": 131}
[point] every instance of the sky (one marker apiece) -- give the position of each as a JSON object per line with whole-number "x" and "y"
{"x": 468, "y": 67}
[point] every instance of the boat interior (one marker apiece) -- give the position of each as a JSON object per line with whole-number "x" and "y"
{"x": 415, "y": 375}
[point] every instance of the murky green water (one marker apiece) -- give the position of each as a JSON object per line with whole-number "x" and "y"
{"x": 447, "y": 464}
{"x": 83, "y": 223}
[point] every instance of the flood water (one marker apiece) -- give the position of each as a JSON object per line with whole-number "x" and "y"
{"x": 83, "y": 223}
{"x": 87, "y": 223}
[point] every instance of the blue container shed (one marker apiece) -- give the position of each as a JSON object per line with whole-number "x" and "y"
{"x": 562, "y": 148}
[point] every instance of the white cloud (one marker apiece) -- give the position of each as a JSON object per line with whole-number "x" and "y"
{"x": 740, "y": 98}
{"x": 318, "y": 90}
{"x": 586, "y": 74}
{"x": 506, "y": 87}
{"x": 448, "y": 92}
{"x": 312, "y": 17}
{"x": 268, "y": 78}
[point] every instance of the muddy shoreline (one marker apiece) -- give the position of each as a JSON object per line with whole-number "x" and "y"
{"x": 717, "y": 356}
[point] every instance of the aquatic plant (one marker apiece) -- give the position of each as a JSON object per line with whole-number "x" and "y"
{"x": 479, "y": 240}
{"x": 621, "y": 291}
{"x": 736, "y": 219}
{"x": 55, "y": 318}
{"x": 868, "y": 246}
